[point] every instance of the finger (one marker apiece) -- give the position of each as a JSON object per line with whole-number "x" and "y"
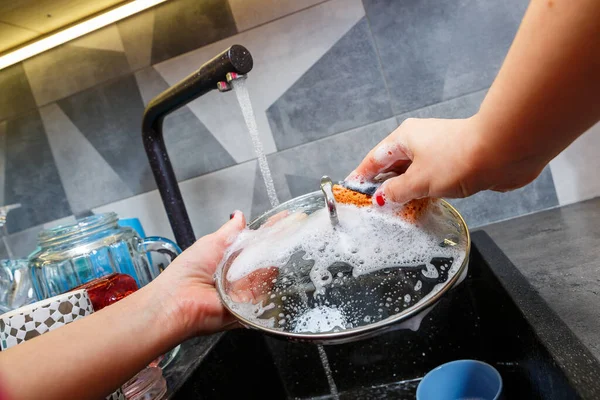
{"x": 390, "y": 154}
{"x": 229, "y": 231}
{"x": 209, "y": 249}
{"x": 276, "y": 218}
{"x": 253, "y": 287}
{"x": 402, "y": 189}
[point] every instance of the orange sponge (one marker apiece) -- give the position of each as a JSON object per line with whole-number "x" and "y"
{"x": 347, "y": 196}
{"x": 411, "y": 211}
{"x": 414, "y": 209}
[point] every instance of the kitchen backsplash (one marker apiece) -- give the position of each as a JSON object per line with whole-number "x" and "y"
{"x": 330, "y": 80}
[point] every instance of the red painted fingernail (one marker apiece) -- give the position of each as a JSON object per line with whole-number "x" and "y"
{"x": 232, "y": 215}
{"x": 380, "y": 199}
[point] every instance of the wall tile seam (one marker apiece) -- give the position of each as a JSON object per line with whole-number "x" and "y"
{"x": 278, "y": 18}
{"x": 379, "y": 60}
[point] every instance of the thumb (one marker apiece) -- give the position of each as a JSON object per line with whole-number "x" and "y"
{"x": 229, "y": 231}
{"x": 388, "y": 155}
{"x": 402, "y": 189}
{"x": 210, "y": 248}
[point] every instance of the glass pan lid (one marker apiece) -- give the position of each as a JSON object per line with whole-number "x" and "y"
{"x": 295, "y": 274}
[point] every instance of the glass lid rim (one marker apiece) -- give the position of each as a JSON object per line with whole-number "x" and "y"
{"x": 362, "y": 330}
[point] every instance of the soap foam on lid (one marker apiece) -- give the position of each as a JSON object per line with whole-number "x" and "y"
{"x": 320, "y": 319}
{"x": 366, "y": 239}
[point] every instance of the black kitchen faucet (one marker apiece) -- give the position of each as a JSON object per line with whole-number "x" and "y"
{"x": 215, "y": 74}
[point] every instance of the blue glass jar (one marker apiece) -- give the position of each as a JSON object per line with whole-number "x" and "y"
{"x": 71, "y": 255}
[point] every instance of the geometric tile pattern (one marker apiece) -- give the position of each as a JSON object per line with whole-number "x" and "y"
{"x": 193, "y": 150}
{"x": 88, "y": 179}
{"x": 433, "y": 50}
{"x": 147, "y": 207}
{"x": 330, "y": 80}
{"x": 212, "y": 197}
{"x": 136, "y": 35}
{"x": 46, "y": 315}
{"x": 330, "y": 97}
{"x": 575, "y": 170}
{"x": 16, "y": 97}
{"x": 300, "y": 185}
{"x": 260, "y": 198}
{"x": 185, "y": 25}
{"x": 110, "y": 117}
{"x": 486, "y": 207}
{"x": 150, "y": 83}
{"x": 107, "y": 38}
{"x": 23, "y": 242}
{"x": 31, "y": 177}
{"x": 209, "y": 200}
{"x": 251, "y": 13}
{"x": 69, "y": 69}
{"x": 459, "y": 107}
{"x": 283, "y": 51}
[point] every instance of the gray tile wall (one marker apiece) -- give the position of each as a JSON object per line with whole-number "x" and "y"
{"x": 331, "y": 79}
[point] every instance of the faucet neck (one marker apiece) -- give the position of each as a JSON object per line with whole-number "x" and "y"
{"x": 236, "y": 59}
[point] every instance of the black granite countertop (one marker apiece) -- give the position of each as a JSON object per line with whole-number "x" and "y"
{"x": 190, "y": 355}
{"x": 558, "y": 251}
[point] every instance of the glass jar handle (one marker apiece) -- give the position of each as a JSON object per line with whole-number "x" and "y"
{"x": 161, "y": 245}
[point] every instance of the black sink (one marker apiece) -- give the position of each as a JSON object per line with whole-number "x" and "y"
{"x": 534, "y": 351}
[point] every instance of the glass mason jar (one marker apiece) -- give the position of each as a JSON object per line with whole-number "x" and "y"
{"x": 71, "y": 255}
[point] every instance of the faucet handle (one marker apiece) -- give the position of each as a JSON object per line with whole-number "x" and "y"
{"x": 230, "y": 77}
{"x": 223, "y": 86}
{"x": 234, "y": 76}
{"x": 327, "y": 188}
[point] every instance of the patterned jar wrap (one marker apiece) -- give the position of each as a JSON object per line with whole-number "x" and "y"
{"x": 27, "y": 322}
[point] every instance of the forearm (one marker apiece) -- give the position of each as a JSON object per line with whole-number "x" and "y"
{"x": 547, "y": 92}
{"x": 93, "y": 356}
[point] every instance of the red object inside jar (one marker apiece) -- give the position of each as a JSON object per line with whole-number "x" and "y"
{"x": 109, "y": 289}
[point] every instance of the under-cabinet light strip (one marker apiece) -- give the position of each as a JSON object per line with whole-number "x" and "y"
{"x": 76, "y": 31}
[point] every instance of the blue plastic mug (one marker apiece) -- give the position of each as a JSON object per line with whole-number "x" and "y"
{"x": 461, "y": 380}
{"x": 133, "y": 223}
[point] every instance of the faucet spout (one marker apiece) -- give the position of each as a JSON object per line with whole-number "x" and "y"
{"x": 235, "y": 60}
